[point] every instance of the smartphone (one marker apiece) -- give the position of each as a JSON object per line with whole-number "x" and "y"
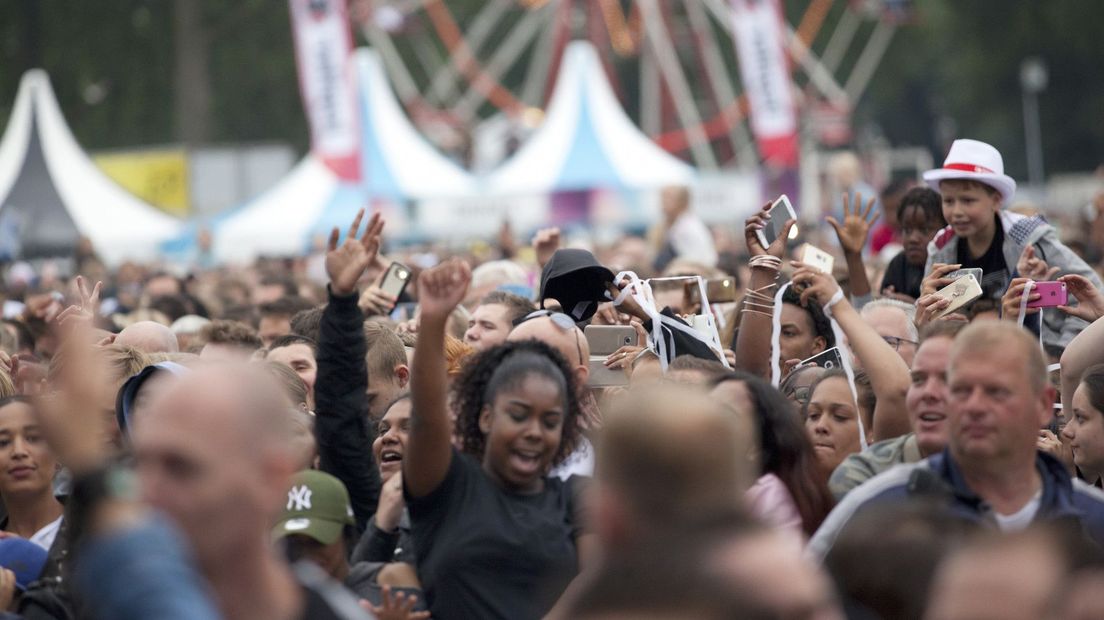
{"x": 817, "y": 258}
{"x": 1051, "y": 294}
{"x": 961, "y": 292}
{"x": 827, "y": 359}
{"x": 958, "y": 273}
{"x": 395, "y": 280}
{"x": 719, "y": 290}
{"x": 604, "y": 340}
{"x": 780, "y": 213}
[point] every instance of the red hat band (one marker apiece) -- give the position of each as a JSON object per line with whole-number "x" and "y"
{"x": 967, "y": 168}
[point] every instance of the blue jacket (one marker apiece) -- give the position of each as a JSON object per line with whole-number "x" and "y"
{"x": 1063, "y": 499}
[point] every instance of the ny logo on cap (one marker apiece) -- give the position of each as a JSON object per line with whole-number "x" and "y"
{"x": 299, "y": 497}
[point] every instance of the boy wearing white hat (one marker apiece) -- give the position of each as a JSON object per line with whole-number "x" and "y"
{"x": 981, "y": 234}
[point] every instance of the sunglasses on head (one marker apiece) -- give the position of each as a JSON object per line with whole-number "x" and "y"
{"x": 560, "y": 320}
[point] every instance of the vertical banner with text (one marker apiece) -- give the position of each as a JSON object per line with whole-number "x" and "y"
{"x": 765, "y": 71}
{"x": 323, "y": 54}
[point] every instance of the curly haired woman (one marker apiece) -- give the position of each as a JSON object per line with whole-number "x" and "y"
{"x": 495, "y": 537}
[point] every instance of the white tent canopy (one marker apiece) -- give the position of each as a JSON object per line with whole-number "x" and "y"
{"x": 398, "y": 166}
{"x": 51, "y": 192}
{"x": 586, "y": 140}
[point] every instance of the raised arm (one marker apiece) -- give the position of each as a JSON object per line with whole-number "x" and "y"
{"x": 753, "y": 341}
{"x": 889, "y": 375}
{"x": 1087, "y": 348}
{"x": 852, "y": 234}
{"x": 428, "y": 449}
{"x": 344, "y": 448}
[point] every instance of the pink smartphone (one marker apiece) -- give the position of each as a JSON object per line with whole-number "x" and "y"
{"x": 1050, "y": 294}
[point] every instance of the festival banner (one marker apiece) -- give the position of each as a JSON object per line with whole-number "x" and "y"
{"x": 765, "y": 71}
{"x": 323, "y": 54}
{"x": 157, "y": 176}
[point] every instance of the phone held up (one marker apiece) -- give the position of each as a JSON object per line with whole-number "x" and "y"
{"x": 395, "y": 280}
{"x": 1051, "y": 294}
{"x": 780, "y": 213}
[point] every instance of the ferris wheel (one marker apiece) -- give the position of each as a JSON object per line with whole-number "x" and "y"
{"x": 672, "y": 64}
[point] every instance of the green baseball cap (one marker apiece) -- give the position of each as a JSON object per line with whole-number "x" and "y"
{"x": 317, "y": 506}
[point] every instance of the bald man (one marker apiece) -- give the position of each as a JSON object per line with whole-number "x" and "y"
{"x": 148, "y": 337}
{"x": 561, "y": 334}
{"x": 215, "y": 458}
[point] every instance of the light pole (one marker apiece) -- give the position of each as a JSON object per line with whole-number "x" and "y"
{"x": 1033, "y": 80}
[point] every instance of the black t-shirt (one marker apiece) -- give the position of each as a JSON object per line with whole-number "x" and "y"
{"x": 903, "y": 277}
{"x": 995, "y": 272}
{"x": 484, "y": 552}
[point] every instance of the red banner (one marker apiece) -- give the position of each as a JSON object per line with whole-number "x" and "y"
{"x": 765, "y": 71}
{"x": 323, "y": 54}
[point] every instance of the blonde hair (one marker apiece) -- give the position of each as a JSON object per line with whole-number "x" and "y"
{"x": 7, "y": 386}
{"x": 124, "y": 361}
{"x": 994, "y": 336}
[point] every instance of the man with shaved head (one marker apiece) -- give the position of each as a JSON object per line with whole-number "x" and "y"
{"x": 148, "y": 337}
{"x": 213, "y": 455}
{"x": 991, "y": 473}
{"x": 558, "y": 331}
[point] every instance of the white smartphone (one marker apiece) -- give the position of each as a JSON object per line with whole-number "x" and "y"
{"x": 817, "y": 258}
{"x": 959, "y": 273}
{"x": 961, "y": 292}
{"x": 780, "y": 213}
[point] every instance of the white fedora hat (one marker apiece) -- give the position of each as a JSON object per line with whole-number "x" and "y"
{"x": 973, "y": 161}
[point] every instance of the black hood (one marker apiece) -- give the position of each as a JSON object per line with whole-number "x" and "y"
{"x": 577, "y": 280}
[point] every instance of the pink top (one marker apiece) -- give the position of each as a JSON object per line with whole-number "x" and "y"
{"x": 770, "y": 500}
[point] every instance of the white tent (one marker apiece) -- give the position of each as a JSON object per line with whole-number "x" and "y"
{"x": 398, "y": 167}
{"x": 51, "y": 193}
{"x": 586, "y": 141}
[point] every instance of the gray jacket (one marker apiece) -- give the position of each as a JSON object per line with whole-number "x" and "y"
{"x": 1021, "y": 231}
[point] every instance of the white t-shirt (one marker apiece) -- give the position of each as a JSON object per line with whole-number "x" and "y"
{"x": 579, "y": 463}
{"x": 1022, "y": 518}
{"x": 45, "y": 537}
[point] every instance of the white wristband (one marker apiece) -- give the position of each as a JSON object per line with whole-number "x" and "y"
{"x": 836, "y": 298}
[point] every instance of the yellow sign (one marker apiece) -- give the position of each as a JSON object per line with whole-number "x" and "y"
{"x": 160, "y": 177}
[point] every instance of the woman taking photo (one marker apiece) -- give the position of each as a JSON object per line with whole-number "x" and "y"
{"x": 495, "y": 537}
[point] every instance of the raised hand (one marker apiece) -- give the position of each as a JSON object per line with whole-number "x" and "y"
{"x": 545, "y": 244}
{"x": 1013, "y": 298}
{"x": 856, "y": 224}
{"x": 88, "y": 307}
{"x": 756, "y": 223}
{"x": 1090, "y": 300}
{"x": 1035, "y": 268}
{"x": 937, "y": 278}
{"x": 815, "y": 284}
{"x": 374, "y": 302}
{"x": 345, "y": 264}
{"x": 442, "y": 288}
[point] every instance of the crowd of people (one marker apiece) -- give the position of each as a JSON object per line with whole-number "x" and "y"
{"x": 303, "y": 439}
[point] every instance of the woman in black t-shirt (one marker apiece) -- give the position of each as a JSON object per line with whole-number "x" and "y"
{"x": 494, "y": 536}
